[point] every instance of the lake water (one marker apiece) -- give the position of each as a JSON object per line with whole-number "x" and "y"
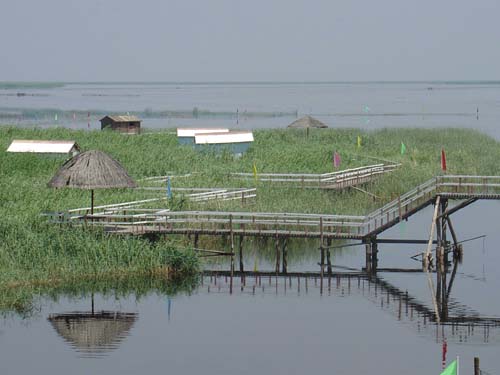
{"x": 278, "y": 325}
{"x": 264, "y": 105}
{"x": 273, "y": 325}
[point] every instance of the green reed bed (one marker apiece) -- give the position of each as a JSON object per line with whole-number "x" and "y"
{"x": 32, "y": 249}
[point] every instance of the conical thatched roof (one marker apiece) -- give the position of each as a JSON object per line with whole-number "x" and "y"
{"x": 93, "y": 334}
{"x": 307, "y": 122}
{"x": 92, "y": 170}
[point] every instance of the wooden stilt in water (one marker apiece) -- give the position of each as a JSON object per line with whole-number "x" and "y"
{"x": 439, "y": 256}
{"x": 368, "y": 257}
{"x": 477, "y": 369}
{"x": 328, "y": 256}
{"x": 284, "y": 262}
{"x": 427, "y": 258}
{"x": 322, "y": 250}
{"x": 277, "y": 248}
{"x": 241, "y": 254}
{"x": 444, "y": 262}
{"x": 232, "y": 252}
{"x": 374, "y": 255}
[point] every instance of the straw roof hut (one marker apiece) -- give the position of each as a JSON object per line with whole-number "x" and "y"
{"x": 92, "y": 333}
{"x": 307, "y": 122}
{"x": 92, "y": 170}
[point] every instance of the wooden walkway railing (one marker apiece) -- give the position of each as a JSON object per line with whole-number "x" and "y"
{"x": 141, "y": 221}
{"x": 334, "y": 180}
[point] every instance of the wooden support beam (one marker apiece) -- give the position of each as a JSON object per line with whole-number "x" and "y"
{"x": 427, "y": 256}
{"x": 457, "y": 207}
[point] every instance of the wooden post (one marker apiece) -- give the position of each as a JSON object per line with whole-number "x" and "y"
{"x": 374, "y": 255}
{"x": 231, "y": 234}
{"x": 196, "y": 241}
{"x": 241, "y": 253}
{"x": 92, "y": 202}
{"x": 322, "y": 249}
{"x": 444, "y": 260}
{"x": 328, "y": 256}
{"x": 427, "y": 256}
{"x": 477, "y": 369}
{"x": 368, "y": 257}
{"x": 277, "y": 248}
{"x": 284, "y": 262}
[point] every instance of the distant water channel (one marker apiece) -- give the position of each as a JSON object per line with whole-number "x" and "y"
{"x": 259, "y": 105}
{"x": 277, "y": 325}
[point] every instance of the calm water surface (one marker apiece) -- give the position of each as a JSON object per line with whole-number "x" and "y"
{"x": 366, "y": 105}
{"x": 277, "y": 325}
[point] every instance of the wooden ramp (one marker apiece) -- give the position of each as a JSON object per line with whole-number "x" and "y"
{"x": 137, "y": 221}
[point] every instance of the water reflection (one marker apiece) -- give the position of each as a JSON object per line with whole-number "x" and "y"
{"x": 93, "y": 334}
{"x": 457, "y": 323}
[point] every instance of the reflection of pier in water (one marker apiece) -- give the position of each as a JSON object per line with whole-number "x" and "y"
{"x": 458, "y": 323}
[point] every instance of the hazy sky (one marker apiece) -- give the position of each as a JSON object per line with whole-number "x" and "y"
{"x": 167, "y": 40}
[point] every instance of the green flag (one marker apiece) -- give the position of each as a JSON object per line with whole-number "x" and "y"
{"x": 451, "y": 369}
{"x": 403, "y": 148}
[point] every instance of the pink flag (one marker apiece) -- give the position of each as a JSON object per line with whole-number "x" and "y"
{"x": 336, "y": 160}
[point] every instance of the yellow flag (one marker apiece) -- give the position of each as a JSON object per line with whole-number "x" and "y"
{"x": 359, "y": 141}
{"x": 254, "y": 171}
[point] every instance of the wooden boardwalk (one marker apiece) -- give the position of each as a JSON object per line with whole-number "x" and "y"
{"x": 335, "y": 180}
{"x": 141, "y": 221}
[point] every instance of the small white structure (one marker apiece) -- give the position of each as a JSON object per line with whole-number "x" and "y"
{"x": 186, "y": 135}
{"x": 44, "y": 147}
{"x": 237, "y": 142}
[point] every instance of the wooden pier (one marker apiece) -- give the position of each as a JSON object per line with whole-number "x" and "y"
{"x": 142, "y": 221}
{"x": 150, "y": 222}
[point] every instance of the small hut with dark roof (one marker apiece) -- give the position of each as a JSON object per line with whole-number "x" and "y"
{"x": 123, "y": 124}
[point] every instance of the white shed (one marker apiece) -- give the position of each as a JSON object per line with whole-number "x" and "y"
{"x": 44, "y": 147}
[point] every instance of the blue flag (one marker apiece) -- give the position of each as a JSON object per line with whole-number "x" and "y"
{"x": 169, "y": 188}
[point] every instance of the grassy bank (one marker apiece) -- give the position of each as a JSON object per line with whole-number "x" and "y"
{"x": 33, "y": 250}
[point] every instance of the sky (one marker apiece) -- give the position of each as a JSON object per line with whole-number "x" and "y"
{"x": 258, "y": 40}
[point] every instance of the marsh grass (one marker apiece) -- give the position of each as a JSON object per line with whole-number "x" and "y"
{"x": 31, "y": 249}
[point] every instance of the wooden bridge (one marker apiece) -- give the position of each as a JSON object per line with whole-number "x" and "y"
{"x": 143, "y": 221}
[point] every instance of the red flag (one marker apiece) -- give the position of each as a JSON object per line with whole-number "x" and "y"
{"x": 443, "y": 160}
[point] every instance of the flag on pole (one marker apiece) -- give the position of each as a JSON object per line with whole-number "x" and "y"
{"x": 255, "y": 171}
{"x": 169, "y": 188}
{"x": 452, "y": 368}
{"x": 443, "y": 160}
{"x": 403, "y": 148}
{"x": 359, "y": 141}
{"x": 336, "y": 160}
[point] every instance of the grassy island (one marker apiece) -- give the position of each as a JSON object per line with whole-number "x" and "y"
{"x": 34, "y": 252}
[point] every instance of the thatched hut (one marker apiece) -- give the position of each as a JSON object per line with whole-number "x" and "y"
{"x": 307, "y": 122}
{"x": 92, "y": 170}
